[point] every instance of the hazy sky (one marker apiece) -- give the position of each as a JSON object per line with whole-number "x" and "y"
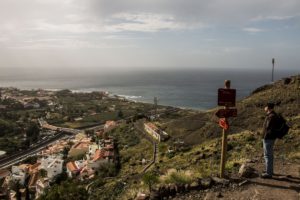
{"x": 111, "y": 34}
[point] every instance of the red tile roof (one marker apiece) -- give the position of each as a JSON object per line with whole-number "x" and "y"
{"x": 72, "y": 167}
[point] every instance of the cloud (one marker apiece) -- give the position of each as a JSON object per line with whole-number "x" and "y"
{"x": 144, "y": 22}
{"x": 253, "y": 30}
{"x": 272, "y": 18}
{"x": 77, "y": 29}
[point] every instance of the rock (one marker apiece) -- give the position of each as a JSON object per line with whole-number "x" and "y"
{"x": 209, "y": 196}
{"x": 221, "y": 181}
{"x": 219, "y": 195}
{"x": 154, "y": 195}
{"x": 180, "y": 188}
{"x": 206, "y": 182}
{"x": 164, "y": 191}
{"x": 200, "y": 157}
{"x": 250, "y": 161}
{"x": 194, "y": 185}
{"x": 246, "y": 171}
{"x": 142, "y": 196}
{"x": 243, "y": 183}
{"x": 186, "y": 187}
{"x": 172, "y": 190}
{"x": 236, "y": 164}
{"x": 287, "y": 81}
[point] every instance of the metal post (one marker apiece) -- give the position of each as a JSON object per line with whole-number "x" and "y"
{"x": 298, "y": 90}
{"x": 273, "y": 63}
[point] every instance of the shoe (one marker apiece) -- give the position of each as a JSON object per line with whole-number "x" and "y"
{"x": 265, "y": 175}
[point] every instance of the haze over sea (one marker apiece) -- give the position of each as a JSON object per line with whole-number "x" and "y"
{"x": 196, "y": 89}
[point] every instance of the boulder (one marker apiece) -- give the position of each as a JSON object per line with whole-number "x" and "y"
{"x": 154, "y": 195}
{"x": 221, "y": 181}
{"x": 246, "y": 171}
{"x": 194, "y": 185}
{"x": 206, "y": 182}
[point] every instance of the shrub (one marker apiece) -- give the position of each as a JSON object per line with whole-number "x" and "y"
{"x": 179, "y": 177}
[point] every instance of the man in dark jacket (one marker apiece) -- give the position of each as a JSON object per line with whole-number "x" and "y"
{"x": 269, "y": 139}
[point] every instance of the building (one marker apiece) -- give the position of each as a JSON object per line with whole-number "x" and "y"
{"x": 92, "y": 149}
{"x": 109, "y": 125}
{"x": 74, "y": 168}
{"x": 53, "y": 165}
{"x": 40, "y": 186}
{"x": 33, "y": 180}
{"x": 19, "y": 173}
{"x": 78, "y": 149}
{"x": 155, "y": 132}
{"x": 87, "y": 173}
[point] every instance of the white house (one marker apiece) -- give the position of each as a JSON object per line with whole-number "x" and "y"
{"x": 18, "y": 174}
{"x": 92, "y": 150}
{"x": 53, "y": 165}
{"x": 73, "y": 168}
{"x": 155, "y": 132}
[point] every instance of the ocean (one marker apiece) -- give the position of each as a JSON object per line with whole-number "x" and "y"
{"x": 194, "y": 89}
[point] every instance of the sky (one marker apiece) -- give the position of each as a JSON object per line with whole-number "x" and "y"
{"x": 149, "y": 34}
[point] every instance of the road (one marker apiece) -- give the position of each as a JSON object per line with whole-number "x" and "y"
{"x": 7, "y": 161}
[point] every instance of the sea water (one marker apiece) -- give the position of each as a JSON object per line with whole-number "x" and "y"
{"x": 195, "y": 89}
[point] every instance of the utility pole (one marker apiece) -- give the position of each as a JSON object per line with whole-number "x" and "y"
{"x": 298, "y": 90}
{"x": 273, "y": 63}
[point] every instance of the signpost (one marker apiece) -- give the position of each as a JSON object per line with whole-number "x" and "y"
{"x": 226, "y": 98}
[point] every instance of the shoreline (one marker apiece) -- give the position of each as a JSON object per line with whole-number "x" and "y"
{"x": 130, "y": 98}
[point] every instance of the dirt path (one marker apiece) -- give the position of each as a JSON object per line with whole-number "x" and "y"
{"x": 285, "y": 185}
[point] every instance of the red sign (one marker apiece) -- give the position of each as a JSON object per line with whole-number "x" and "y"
{"x": 224, "y": 123}
{"x": 226, "y": 97}
{"x": 225, "y": 113}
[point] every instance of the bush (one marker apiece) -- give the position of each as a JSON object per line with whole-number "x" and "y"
{"x": 179, "y": 177}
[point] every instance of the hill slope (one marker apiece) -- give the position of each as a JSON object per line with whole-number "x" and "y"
{"x": 199, "y": 127}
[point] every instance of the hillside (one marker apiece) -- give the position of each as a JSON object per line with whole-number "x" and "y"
{"x": 199, "y": 127}
{"x": 202, "y": 132}
{"x": 201, "y": 136}
{"x": 183, "y": 167}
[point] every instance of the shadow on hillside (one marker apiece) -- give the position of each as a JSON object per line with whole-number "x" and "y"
{"x": 292, "y": 187}
{"x": 290, "y": 180}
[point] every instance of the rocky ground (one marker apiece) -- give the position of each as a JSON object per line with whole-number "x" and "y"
{"x": 284, "y": 185}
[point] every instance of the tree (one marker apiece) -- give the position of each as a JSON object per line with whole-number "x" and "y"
{"x": 150, "y": 178}
{"x": 43, "y": 173}
{"x": 33, "y": 132}
{"x": 68, "y": 190}
{"x": 120, "y": 114}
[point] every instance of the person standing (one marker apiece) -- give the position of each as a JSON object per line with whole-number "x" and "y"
{"x": 269, "y": 138}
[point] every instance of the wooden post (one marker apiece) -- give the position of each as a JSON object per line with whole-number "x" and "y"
{"x": 223, "y": 155}
{"x": 224, "y": 141}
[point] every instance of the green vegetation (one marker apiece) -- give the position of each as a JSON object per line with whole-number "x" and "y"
{"x": 179, "y": 177}
{"x": 150, "y": 178}
{"x": 67, "y": 190}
